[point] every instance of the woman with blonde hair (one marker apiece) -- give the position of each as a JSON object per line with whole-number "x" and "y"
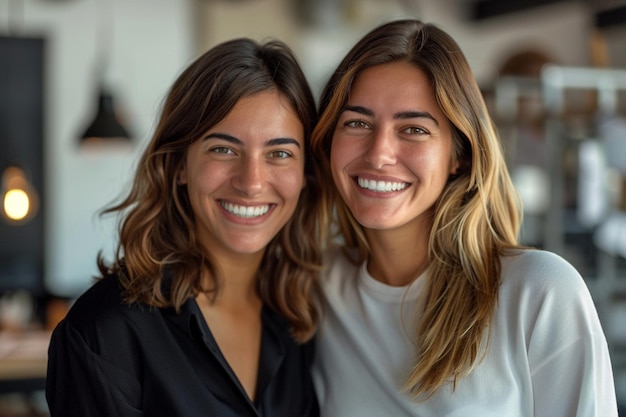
{"x": 432, "y": 307}
{"x": 208, "y": 307}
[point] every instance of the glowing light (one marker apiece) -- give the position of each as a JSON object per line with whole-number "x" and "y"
{"x": 16, "y": 204}
{"x": 19, "y": 199}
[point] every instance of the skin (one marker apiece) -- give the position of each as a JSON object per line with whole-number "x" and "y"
{"x": 391, "y": 156}
{"x": 244, "y": 178}
{"x": 254, "y": 160}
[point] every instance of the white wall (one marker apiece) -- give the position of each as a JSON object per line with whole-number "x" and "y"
{"x": 150, "y": 42}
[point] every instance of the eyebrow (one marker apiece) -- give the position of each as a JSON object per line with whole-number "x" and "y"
{"x": 398, "y": 116}
{"x": 235, "y": 141}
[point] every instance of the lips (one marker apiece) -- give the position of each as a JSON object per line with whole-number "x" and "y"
{"x": 381, "y": 186}
{"x": 245, "y": 211}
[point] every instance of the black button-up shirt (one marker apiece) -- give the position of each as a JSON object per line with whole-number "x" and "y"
{"x": 107, "y": 358}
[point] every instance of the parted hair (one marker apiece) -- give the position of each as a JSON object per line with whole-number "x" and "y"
{"x": 476, "y": 219}
{"x": 159, "y": 259}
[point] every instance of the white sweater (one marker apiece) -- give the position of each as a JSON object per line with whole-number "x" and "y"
{"x": 547, "y": 357}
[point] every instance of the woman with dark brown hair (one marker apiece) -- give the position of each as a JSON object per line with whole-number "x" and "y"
{"x": 207, "y": 309}
{"x": 432, "y": 307}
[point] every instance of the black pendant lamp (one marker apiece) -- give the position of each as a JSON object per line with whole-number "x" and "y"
{"x": 105, "y": 125}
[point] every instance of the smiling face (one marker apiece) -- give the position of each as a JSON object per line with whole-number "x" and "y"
{"x": 391, "y": 153}
{"x": 245, "y": 175}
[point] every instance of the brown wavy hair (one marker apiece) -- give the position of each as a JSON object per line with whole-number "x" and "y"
{"x": 476, "y": 219}
{"x": 157, "y": 237}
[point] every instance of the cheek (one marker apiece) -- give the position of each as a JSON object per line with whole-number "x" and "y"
{"x": 339, "y": 151}
{"x": 428, "y": 165}
{"x": 290, "y": 182}
{"x": 334, "y": 164}
{"x": 203, "y": 179}
{"x": 445, "y": 163}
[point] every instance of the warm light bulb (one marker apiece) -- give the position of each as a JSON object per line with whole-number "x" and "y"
{"x": 19, "y": 199}
{"x": 16, "y": 204}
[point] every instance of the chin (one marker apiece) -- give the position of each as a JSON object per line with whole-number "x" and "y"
{"x": 249, "y": 250}
{"x": 375, "y": 224}
{"x": 374, "y": 220}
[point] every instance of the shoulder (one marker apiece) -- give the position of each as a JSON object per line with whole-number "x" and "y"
{"x": 102, "y": 309}
{"x": 539, "y": 268}
{"x": 104, "y": 295}
{"x": 100, "y": 344}
{"x": 546, "y": 299}
{"x": 536, "y": 260}
{"x": 537, "y": 280}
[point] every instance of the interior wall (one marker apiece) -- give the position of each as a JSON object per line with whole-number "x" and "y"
{"x": 148, "y": 43}
{"x": 562, "y": 30}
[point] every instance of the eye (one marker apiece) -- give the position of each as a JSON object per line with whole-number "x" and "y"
{"x": 357, "y": 124}
{"x": 222, "y": 149}
{"x": 415, "y": 130}
{"x": 280, "y": 154}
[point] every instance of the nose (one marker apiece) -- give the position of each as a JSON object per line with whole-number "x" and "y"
{"x": 381, "y": 150}
{"x": 250, "y": 177}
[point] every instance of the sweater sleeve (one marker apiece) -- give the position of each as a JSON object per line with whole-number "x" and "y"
{"x": 567, "y": 351}
{"x": 576, "y": 381}
{"x": 80, "y": 383}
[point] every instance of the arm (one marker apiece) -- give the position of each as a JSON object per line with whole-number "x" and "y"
{"x": 576, "y": 381}
{"x": 82, "y": 384}
{"x": 567, "y": 351}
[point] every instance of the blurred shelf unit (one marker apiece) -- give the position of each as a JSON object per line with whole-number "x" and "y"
{"x": 582, "y": 113}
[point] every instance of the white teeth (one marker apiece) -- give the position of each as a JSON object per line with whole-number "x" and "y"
{"x": 381, "y": 186}
{"x": 245, "y": 211}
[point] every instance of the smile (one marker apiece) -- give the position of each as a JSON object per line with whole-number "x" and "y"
{"x": 381, "y": 186}
{"x": 245, "y": 211}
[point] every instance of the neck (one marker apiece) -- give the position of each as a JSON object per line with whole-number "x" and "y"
{"x": 237, "y": 279}
{"x": 399, "y": 256}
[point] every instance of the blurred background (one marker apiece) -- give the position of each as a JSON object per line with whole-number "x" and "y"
{"x": 82, "y": 82}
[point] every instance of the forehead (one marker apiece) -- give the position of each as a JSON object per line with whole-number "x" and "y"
{"x": 251, "y": 104}
{"x": 264, "y": 115}
{"x": 397, "y": 84}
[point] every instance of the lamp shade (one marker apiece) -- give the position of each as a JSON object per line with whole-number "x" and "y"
{"x": 105, "y": 124}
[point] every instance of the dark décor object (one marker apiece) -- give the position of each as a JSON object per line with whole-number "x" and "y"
{"x": 21, "y": 145}
{"x": 488, "y": 9}
{"x": 105, "y": 125}
{"x": 611, "y": 17}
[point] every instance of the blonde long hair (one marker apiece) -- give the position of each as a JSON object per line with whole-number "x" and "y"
{"x": 159, "y": 259}
{"x": 476, "y": 218}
